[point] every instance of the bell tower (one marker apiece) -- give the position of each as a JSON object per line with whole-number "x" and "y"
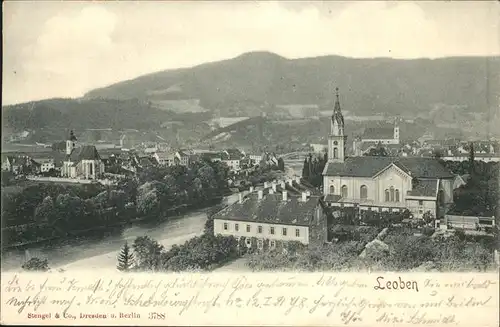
{"x": 70, "y": 143}
{"x": 337, "y": 140}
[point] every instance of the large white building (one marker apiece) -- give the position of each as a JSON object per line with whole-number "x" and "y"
{"x": 383, "y": 183}
{"x": 274, "y": 214}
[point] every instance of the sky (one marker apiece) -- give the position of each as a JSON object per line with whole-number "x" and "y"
{"x": 64, "y": 49}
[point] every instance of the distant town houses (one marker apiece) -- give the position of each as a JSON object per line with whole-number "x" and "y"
{"x": 19, "y": 164}
{"x": 46, "y": 164}
{"x": 255, "y": 159}
{"x": 373, "y": 137}
{"x": 20, "y": 136}
{"x": 232, "y": 158}
{"x": 166, "y": 158}
{"x": 384, "y": 135}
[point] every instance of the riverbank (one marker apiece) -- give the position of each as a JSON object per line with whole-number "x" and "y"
{"x": 101, "y": 251}
{"x": 54, "y": 240}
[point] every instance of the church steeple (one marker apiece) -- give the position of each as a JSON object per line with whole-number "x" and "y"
{"x": 70, "y": 143}
{"x": 337, "y": 124}
{"x": 337, "y": 139}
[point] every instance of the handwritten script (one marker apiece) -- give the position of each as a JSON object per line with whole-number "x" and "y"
{"x": 251, "y": 299}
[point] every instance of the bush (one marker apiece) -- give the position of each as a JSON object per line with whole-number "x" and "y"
{"x": 204, "y": 252}
{"x": 36, "y": 264}
{"x": 242, "y": 245}
{"x": 460, "y": 233}
{"x": 427, "y": 231}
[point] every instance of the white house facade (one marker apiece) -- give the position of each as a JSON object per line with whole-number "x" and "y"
{"x": 274, "y": 217}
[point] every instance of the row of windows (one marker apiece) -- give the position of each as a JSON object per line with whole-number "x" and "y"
{"x": 284, "y": 230}
{"x": 363, "y": 191}
{"x": 260, "y": 243}
{"x": 391, "y": 195}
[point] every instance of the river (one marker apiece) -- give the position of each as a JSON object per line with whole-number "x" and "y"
{"x": 102, "y": 253}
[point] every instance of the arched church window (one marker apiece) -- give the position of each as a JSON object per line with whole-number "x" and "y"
{"x": 392, "y": 194}
{"x": 397, "y": 195}
{"x": 363, "y": 192}
{"x": 332, "y": 189}
{"x": 386, "y": 195}
{"x": 335, "y": 153}
{"x": 344, "y": 191}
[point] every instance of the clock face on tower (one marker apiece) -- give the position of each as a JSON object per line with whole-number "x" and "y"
{"x": 335, "y": 143}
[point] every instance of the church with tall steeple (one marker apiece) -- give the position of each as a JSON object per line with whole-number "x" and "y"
{"x": 81, "y": 162}
{"x": 382, "y": 183}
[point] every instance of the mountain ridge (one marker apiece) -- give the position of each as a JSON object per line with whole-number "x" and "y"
{"x": 366, "y": 84}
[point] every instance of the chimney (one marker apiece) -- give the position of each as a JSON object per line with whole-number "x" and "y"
{"x": 285, "y": 196}
{"x": 261, "y": 193}
{"x": 251, "y": 189}
{"x": 240, "y": 198}
{"x": 290, "y": 182}
{"x": 297, "y": 180}
{"x": 274, "y": 186}
{"x": 304, "y": 197}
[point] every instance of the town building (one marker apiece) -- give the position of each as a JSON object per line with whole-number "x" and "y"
{"x": 8, "y": 163}
{"x": 166, "y": 158}
{"x": 46, "y": 164}
{"x": 81, "y": 162}
{"x": 232, "y": 158}
{"x": 383, "y": 183}
{"x": 255, "y": 159}
{"x": 383, "y": 135}
{"x": 184, "y": 157}
{"x": 270, "y": 215}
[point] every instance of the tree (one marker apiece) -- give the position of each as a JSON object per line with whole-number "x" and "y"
{"x": 428, "y": 217}
{"x": 437, "y": 153}
{"x": 281, "y": 164}
{"x": 147, "y": 252}
{"x": 36, "y": 264}
{"x": 125, "y": 258}
{"x": 378, "y": 151}
{"x": 471, "y": 159}
{"x": 305, "y": 169}
{"x": 44, "y": 210}
{"x": 147, "y": 200}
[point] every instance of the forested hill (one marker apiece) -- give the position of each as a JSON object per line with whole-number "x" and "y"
{"x": 93, "y": 113}
{"x": 367, "y": 85}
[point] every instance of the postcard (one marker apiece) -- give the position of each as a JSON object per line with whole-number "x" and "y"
{"x": 250, "y": 163}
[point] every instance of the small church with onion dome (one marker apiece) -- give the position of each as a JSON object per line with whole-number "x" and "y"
{"x": 383, "y": 183}
{"x": 81, "y": 162}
